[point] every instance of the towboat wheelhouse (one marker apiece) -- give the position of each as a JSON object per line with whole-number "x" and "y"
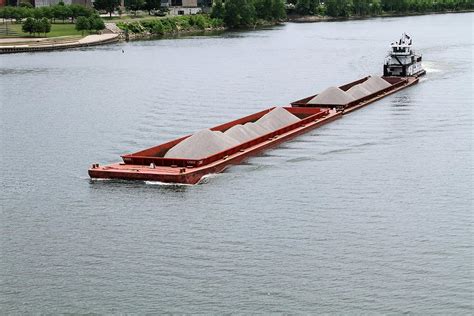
{"x": 402, "y": 60}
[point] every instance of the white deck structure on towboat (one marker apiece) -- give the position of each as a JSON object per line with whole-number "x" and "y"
{"x": 402, "y": 60}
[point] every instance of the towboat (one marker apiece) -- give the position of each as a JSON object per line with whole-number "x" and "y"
{"x": 188, "y": 159}
{"x": 402, "y": 61}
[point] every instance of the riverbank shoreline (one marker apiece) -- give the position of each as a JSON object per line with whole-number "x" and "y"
{"x": 115, "y": 34}
{"x": 25, "y": 45}
{"x": 320, "y": 18}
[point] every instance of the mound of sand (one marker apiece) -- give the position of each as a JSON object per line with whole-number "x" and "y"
{"x": 332, "y": 96}
{"x": 241, "y": 133}
{"x": 276, "y": 119}
{"x": 374, "y": 84}
{"x": 202, "y": 144}
{"x": 358, "y": 91}
{"x": 206, "y": 142}
{"x": 257, "y": 129}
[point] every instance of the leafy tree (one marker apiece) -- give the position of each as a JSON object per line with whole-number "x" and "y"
{"x": 339, "y": 8}
{"x": 263, "y": 8}
{"x": 310, "y": 7}
{"x": 134, "y": 5}
{"x": 82, "y": 24}
{"x": 44, "y": 26}
{"x": 108, "y": 6}
{"x": 17, "y": 13}
{"x": 278, "y": 10}
{"x": 152, "y": 5}
{"x": 26, "y": 5}
{"x": 77, "y": 10}
{"x": 46, "y": 12}
{"x": 218, "y": 10}
{"x": 361, "y": 7}
{"x": 38, "y": 13}
{"x": 28, "y": 26}
{"x": 31, "y": 26}
{"x": 61, "y": 11}
{"x": 305, "y": 7}
{"x": 96, "y": 23}
{"x": 239, "y": 13}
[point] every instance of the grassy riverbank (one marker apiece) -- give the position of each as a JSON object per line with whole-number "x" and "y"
{"x": 170, "y": 25}
{"x": 57, "y": 30}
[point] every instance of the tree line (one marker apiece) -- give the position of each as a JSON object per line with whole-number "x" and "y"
{"x": 59, "y": 11}
{"x": 36, "y": 26}
{"x": 243, "y": 13}
{"x": 110, "y": 6}
{"x": 346, "y": 8}
{"x": 38, "y": 20}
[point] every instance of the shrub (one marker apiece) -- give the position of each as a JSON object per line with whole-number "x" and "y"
{"x": 135, "y": 27}
{"x": 82, "y": 24}
{"x": 157, "y": 28}
{"x": 44, "y": 26}
{"x": 28, "y": 26}
{"x": 96, "y": 23}
{"x": 217, "y": 22}
{"x": 199, "y": 21}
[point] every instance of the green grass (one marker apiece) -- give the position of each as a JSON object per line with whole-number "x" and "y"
{"x": 57, "y": 29}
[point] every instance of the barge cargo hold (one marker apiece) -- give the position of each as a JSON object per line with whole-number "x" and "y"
{"x": 396, "y": 84}
{"x": 150, "y": 164}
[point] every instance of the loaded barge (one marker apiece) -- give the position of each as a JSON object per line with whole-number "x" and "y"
{"x": 188, "y": 159}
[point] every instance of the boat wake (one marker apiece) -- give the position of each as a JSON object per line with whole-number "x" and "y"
{"x": 431, "y": 67}
{"x": 208, "y": 177}
{"x": 168, "y": 184}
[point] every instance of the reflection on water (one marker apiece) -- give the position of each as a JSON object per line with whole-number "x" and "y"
{"x": 13, "y": 71}
{"x": 374, "y": 205}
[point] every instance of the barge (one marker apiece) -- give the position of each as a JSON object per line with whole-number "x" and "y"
{"x": 396, "y": 84}
{"x": 151, "y": 165}
{"x": 188, "y": 159}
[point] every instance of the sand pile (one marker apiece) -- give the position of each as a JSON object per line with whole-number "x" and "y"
{"x": 242, "y": 133}
{"x": 206, "y": 142}
{"x": 332, "y": 96}
{"x": 257, "y": 129}
{"x": 358, "y": 91}
{"x": 276, "y": 119}
{"x": 375, "y": 84}
{"x": 202, "y": 144}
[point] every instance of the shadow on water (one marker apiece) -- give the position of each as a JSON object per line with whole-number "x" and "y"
{"x": 401, "y": 102}
{"x": 24, "y": 71}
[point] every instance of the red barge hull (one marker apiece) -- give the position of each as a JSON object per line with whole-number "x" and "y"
{"x": 150, "y": 165}
{"x": 396, "y": 84}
